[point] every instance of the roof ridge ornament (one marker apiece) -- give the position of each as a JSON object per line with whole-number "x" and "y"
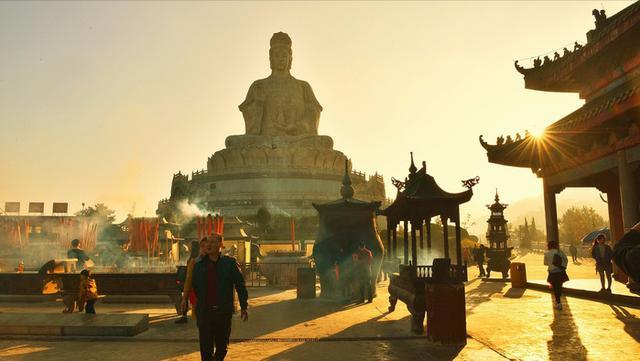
{"x": 470, "y": 183}
{"x": 400, "y": 185}
{"x": 346, "y": 191}
{"x": 412, "y": 168}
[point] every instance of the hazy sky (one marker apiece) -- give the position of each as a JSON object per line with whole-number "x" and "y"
{"x": 103, "y": 102}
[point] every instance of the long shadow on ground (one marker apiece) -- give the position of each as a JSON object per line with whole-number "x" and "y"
{"x": 483, "y": 293}
{"x": 631, "y": 322}
{"x": 565, "y": 343}
{"x": 346, "y": 345}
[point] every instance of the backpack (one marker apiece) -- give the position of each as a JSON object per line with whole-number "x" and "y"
{"x": 557, "y": 261}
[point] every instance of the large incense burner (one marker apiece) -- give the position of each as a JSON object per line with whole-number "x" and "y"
{"x": 344, "y": 223}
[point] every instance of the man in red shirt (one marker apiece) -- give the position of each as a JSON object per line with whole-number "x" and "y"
{"x": 362, "y": 259}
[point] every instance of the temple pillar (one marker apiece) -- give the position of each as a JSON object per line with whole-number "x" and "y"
{"x": 405, "y": 242}
{"x": 616, "y": 226}
{"x": 389, "y": 244}
{"x": 550, "y": 212}
{"x": 628, "y": 191}
{"x": 429, "y": 235}
{"x": 421, "y": 231}
{"x": 445, "y": 236}
{"x": 395, "y": 242}
{"x": 414, "y": 251}
{"x": 458, "y": 241}
{"x": 614, "y": 207}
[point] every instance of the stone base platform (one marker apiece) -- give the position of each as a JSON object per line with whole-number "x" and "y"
{"x": 57, "y": 324}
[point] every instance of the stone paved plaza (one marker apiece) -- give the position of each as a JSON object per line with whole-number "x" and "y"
{"x": 502, "y": 323}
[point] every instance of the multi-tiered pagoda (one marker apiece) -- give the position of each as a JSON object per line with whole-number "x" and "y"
{"x": 597, "y": 145}
{"x": 497, "y": 235}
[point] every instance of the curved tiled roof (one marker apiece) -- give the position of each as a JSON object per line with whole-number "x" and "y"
{"x": 555, "y": 75}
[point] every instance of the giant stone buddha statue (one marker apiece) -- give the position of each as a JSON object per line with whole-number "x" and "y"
{"x": 281, "y": 162}
{"x": 281, "y": 104}
{"x": 280, "y": 109}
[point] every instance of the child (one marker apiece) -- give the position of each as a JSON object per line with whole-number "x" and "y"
{"x": 88, "y": 292}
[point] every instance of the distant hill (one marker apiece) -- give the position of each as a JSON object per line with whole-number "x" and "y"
{"x": 534, "y": 208}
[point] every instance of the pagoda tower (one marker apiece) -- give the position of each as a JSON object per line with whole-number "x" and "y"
{"x": 497, "y": 235}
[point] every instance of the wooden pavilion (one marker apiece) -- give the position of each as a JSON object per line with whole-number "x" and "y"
{"x": 437, "y": 289}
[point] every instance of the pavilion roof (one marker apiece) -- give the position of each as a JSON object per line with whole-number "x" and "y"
{"x": 561, "y": 137}
{"x": 421, "y": 198}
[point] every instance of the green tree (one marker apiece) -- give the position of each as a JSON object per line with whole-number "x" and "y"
{"x": 577, "y": 222}
{"x": 525, "y": 234}
{"x": 99, "y": 212}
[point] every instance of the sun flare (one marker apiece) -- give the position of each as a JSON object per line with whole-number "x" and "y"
{"x": 536, "y": 131}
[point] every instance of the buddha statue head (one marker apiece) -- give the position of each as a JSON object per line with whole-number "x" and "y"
{"x": 280, "y": 54}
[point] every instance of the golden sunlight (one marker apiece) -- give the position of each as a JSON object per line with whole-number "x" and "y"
{"x": 536, "y": 130}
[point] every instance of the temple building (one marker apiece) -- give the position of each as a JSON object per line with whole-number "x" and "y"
{"x": 280, "y": 163}
{"x": 597, "y": 145}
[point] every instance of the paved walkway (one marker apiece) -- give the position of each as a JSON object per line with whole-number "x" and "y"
{"x": 582, "y": 274}
{"x": 502, "y": 323}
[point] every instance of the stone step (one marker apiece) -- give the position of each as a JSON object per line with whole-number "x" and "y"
{"x": 156, "y": 299}
{"x": 28, "y": 298}
{"x": 77, "y": 324}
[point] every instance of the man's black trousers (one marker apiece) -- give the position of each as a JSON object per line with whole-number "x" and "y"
{"x": 214, "y": 328}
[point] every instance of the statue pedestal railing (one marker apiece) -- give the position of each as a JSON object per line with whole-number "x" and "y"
{"x": 247, "y": 153}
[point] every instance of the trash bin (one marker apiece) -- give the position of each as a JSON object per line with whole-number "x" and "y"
{"x": 446, "y": 313}
{"x": 306, "y": 285}
{"x": 518, "y": 275}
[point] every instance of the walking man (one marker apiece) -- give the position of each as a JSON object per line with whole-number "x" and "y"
{"x": 574, "y": 252}
{"x": 213, "y": 278}
{"x": 478, "y": 255}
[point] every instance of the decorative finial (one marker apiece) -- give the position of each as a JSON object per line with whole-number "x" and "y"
{"x": 497, "y": 197}
{"x": 424, "y": 166}
{"x": 346, "y": 191}
{"x": 412, "y": 168}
